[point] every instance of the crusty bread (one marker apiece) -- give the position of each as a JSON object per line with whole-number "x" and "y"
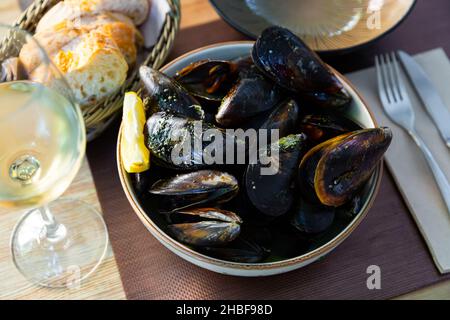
{"x": 91, "y": 42}
{"x": 74, "y": 10}
{"x": 51, "y": 41}
{"x": 124, "y": 35}
{"x": 93, "y": 67}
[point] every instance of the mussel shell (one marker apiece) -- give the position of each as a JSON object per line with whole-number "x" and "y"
{"x": 208, "y": 79}
{"x": 219, "y": 227}
{"x": 322, "y": 127}
{"x": 273, "y": 195}
{"x": 248, "y": 97}
{"x": 312, "y": 218}
{"x": 166, "y": 132}
{"x": 352, "y": 208}
{"x": 141, "y": 181}
{"x": 284, "y": 118}
{"x": 283, "y": 57}
{"x": 166, "y": 94}
{"x": 195, "y": 189}
{"x": 240, "y": 250}
{"x": 334, "y": 170}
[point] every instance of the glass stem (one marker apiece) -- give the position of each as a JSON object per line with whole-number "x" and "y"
{"x": 54, "y": 231}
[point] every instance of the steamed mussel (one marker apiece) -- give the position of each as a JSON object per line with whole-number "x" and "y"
{"x": 165, "y": 94}
{"x": 173, "y": 139}
{"x": 272, "y": 193}
{"x": 284, "y": 118}
{"x": 208, "y": 79}
{"x": 251, "y": 95}
{"x": 322, "y": 127}
{"x": 312, "y": 218}
{"x": 241, "y": 250}
{"x": 334, "y": 170}
{"x": 285, "y": 58}
{"x": 195, "y": 189}
{"x": 211, "y": 227}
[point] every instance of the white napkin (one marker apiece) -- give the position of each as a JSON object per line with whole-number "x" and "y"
{"x": 405, "y": 160}
{"x": 153, "y": 26}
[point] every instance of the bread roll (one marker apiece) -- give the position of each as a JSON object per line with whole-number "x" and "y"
{"x": 123, "y": 34}
{"x": 73, "y": 10}
{"x": 93, "y": 67}
{"x": 51, "y": 41}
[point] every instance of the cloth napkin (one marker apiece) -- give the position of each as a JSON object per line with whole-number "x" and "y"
{"x": 406, "y": 162}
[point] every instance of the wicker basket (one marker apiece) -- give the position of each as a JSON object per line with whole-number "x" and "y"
{"x": 99, "y": 116}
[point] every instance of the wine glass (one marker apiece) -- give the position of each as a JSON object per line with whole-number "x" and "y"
{"x": 57, "y": 243}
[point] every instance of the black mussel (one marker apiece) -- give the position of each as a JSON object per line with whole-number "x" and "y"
{"x": 208, "y": 227}
{"x": 208, "y": 79}
{"x": 241, "y": 250}
{"x": 312, "y": 218}
{"x": 180, "y": 143}
{"x": 195, "y": 189}
{"x": 284, "y": 118}
{"x": 323, "y": 127}
{"x": 250, "y": 96}
{"x": 166, "y": 94}
{"x": 246, "y": 68}
{"x": 335, "y": 170}
{"x": 271, "y": 192}
{"x": 141, "y": 181}
{"x": 283, "y": 57}
{"x": 351, "y": 209}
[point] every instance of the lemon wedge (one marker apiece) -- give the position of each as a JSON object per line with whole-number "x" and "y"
{"x": 134, "y": 153}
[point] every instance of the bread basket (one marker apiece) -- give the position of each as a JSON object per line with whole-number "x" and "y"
{"x": 98, "y": 116}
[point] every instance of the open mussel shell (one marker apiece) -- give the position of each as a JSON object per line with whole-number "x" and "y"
{"x": 165, "y": 94}
{"x": 250, "y": 96}
{"x": 333, "y": 171}
{"x": 284, "y": 118}
{"x": 271, "y": 191}
{"x": 195, "y": 189}
{"x": 241, "y": 250}
{"x": 322, "y": 127}
{"x": 312, "y": 218}
{"x": 208, "y": 79}
{"x": 283, "y": 57}
{"x": 211, "y": 227}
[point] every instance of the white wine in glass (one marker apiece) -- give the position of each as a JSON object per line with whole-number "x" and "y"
{"x": 31, "y": 109}
{"x": 61, "y": 242}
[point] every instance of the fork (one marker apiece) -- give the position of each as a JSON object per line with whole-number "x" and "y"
{"x": 397, "y": 105}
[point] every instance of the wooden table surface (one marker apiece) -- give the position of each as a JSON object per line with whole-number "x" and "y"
{"x": 106, "y": 283}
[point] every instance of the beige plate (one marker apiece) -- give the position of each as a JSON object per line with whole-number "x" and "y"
{"x": 325, "y": 25}
{"x": 358, "y": 111}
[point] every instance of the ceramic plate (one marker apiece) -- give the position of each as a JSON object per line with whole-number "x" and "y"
{"x": 325, "y": 25}
{"x": 358, "y": 111}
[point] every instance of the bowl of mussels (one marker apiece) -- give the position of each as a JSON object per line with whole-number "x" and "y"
{"x": 263, "y": 158}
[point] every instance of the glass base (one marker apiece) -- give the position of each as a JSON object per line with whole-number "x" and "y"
{"x": 73, "y": 251}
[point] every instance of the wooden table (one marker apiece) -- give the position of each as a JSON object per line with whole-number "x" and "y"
{"x": 106, "y": 283}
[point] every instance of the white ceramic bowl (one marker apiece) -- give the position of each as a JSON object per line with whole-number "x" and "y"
{"x": 358, "y": 111}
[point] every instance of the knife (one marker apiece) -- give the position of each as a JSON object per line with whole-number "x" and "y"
{"x": 431, "y": 99}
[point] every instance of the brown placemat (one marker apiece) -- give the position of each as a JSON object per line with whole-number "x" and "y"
{"x": 387, "y": 237}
